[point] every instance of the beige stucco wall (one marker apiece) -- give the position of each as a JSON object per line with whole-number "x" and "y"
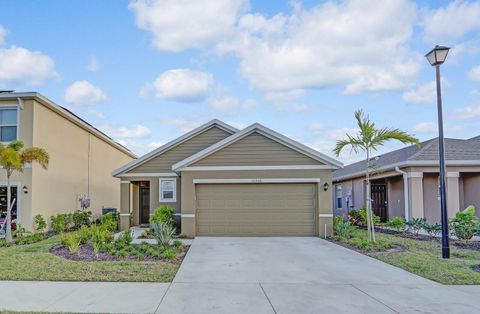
{"x": 188, "y": 192}
{"x": 471, "y": 191}
{"x": 396, "y": 199}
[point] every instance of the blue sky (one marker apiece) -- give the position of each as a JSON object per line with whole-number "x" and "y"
{"x": 147, "y": 71}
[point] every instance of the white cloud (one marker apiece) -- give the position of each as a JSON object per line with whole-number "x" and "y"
{"x": 316, "y": 128}
{"x": 180, "y": 85}
{"x": 84, "y": 93}
{"x": 292, "y": 107}
{"x": 123, "y": 132}
{"x": 238, "y": 125}
{"x": 426, "y": 93}
{"x": 468, "y": 112}
{"x": 181, "y": 123}
{"x": 360, "y": 44}
{"x": 3, "y": 34}
{"x": 452, "y": 22}
{"x": 139, "y": 147}
{"x": 327, "y": 139}
{"x": 224, "y": 103}
{"x": 474, "y": 73}
{"x": 93, "y": 65}
{"x": 177, "y": 25}
{"x": 20, "y": 65}
{"x": 425, "y": 127}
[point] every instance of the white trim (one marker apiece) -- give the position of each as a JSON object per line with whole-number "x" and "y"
{"x": 257, "y": 180}
{"x": 185, "y": 137}
{"x": 234, "y": 168}
{"x": 161, "y": 199}
{"x": 125, "y": 214}
{"x": 325, "y": 215}
{"x": 187, "y": 215}
{"x": 124, "y": 182}
{"x": 415, "y": 174}
{"x": 256, "y": 127}
{"x": 18, "y": 107}
{"x": 148, "y": 174}
{"x": 453, "y": 174}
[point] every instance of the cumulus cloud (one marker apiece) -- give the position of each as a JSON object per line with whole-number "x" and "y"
{"x": 123, "y": 132}
{"x": 326, "y": 142}
{"x": 139, "y": 147}
{"x": 474, "y": 74}
{"x": 182, "y": 85}
{"x": 316, "y": 128}
{"x": 424, "y": 94}
{"x": 177, "y": 25}
{"x": 20, "y": 65}
{"x": 425, "y": 127}
{"x": 452, "y": 22}
{"x": 3, "y": 34}
{"x": 84, "y": 93}
{"x": 468, "y": 112}
{"x": 183, "y": 124}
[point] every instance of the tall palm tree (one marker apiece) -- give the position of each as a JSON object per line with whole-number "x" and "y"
{"x": 369, "y": 139}
{"x": 14, "y": 157}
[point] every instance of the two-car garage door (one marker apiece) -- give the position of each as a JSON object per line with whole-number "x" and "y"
{"x": 279, "y": 209}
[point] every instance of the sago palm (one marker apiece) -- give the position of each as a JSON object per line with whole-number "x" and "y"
{"x": 14, "y": 157}
{"x": 368, "y": 139}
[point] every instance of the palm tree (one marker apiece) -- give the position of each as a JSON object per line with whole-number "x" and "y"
{"x": 14, "y": 157}
{"x": 367, "y": 140}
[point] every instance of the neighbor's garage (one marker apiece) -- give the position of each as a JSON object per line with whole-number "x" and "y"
{"x": 279, "y": 209}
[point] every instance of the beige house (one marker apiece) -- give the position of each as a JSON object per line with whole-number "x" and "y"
{"x": 222, "y": 181}
{"x": 81, "y": 159}
{"x": 405, "y": 182}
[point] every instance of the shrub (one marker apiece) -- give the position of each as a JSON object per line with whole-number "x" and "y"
{"x": 362, "y": 212}
{"x": 417, "y": 224}
{"x": 169, "y": 253}
{"x": 101, "y": 237}
{"x": 177, "y": 243}
{"x": 121, "y": 253}
{"x": 464, "y": 225}
{"x": 82, "y": 218}
{"x": 32, "y": 238}
{"x": 21, "y": 232}
{"x": 124, "y": 240}
{"x": 40, "y": 223}
{"x": 397, "y": 223}
{"x": 85, "y": 234}
{"x": 342, "y": 229}
{"x": 354, "y": 217}
{"x": 110, "y": 221}
{"x": 71, "y": 241}
{"x": 163, "y": 214}
{"x": 163, "y": 233}
{"x": 367, "y": 245}
{"x": 182, "y": 236}
{"x": 58, "y": 223}
{"x": 433, "y": 230}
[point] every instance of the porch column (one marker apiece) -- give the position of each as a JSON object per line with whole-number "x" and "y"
{"x": 415, "y": 185}
{"x": 125, "y": 188}
{"x": 453, "y": 193}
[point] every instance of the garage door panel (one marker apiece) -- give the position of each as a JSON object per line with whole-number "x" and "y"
{"x": 256, "y": 209}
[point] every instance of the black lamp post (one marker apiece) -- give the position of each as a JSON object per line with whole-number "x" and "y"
{"x": 436, "y": 57}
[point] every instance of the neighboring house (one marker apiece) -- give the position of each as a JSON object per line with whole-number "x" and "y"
{"x": 222, "y": 181}
{"x": 81, "y": 159}
{"x": 406, "y": 181}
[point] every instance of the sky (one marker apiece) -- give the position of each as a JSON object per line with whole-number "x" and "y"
{"x": 144, "y": 72}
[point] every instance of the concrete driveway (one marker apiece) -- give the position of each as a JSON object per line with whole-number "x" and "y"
{"x": 301, "y": 275}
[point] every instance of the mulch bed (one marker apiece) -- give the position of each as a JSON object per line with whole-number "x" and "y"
{"x": 86, "y": 254}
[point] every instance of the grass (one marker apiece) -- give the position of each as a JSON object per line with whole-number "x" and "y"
{"x": 424, "y": 258}
{"x": 34, "y": 262}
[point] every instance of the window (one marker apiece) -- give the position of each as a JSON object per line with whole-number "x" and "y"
{"x": 8, "y": 124}
{"x": 338, "y": 196}
{"x": 168, "y": 190}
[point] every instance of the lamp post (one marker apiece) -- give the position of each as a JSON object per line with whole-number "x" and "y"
{"x": 436, "y": 57}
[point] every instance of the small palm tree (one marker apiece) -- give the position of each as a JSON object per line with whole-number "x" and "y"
{"x": 14, "y": 157}
{"x": 370, "y": 139}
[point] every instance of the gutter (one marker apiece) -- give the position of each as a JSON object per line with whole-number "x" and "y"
{"x": 405, "y": 192}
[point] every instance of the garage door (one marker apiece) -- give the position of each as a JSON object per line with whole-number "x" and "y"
{"x": 255, "y": 209}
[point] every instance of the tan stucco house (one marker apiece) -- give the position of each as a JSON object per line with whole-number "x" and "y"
{"x": 81, "y": 159}
{"x": 405, "y": 182}
{"x": 222, "y": 181}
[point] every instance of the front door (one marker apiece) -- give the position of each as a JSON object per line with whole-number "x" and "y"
{"x": 379, "y": 201}
{"x": 144, "y": 202}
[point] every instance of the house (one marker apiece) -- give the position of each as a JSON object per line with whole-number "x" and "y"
{"x": 222, "y": 181}
{"x": 405, "y": 182}
{"x": 81, "y": 159}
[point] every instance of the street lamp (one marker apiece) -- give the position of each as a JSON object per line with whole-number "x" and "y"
{"x": 436, "y": 57}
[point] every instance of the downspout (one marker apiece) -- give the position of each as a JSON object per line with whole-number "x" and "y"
{"x": 405, "y": 193}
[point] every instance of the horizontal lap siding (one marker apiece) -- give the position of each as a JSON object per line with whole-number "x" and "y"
{"x": 256, "y": 149}
{"x": 164, "y": 162}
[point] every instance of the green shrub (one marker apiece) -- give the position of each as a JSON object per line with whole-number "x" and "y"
{"x": 182, "y": 236}
{"x": 163, "y": 233}
{"x": 417, "y": 224}
{"x": 169, "y": 253}
{"x": 163, "y": 214}
{"x": 101, "y": 237}
{"x": 367, "y": 245}
{"x": 465, "y": 223}
{"x": 124, "y": 240}
{"x": 433, "y": 230}
{"x": 39, "y": 223}
{"x": 81, "y": 218}
{"x": 342, "y": 229}
{"x": 29, "y": 239}
{"x": 20, "y": 232}
{"x": 110, "y": 221}
{"x": 58, "y": 223}
{"x": 177, "y": 243}
{"x": 362, "y": 212}
{"x": 85, "y": 234}
{"x": 121, "y": 253}
{"x": 354, "y": 217}
{"x": 397, "y": 223}
{"x": 71, "y": 241}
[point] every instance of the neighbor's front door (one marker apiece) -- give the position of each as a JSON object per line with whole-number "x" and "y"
{"x": 144, "y": 204}
{"x": 379, "y": 201}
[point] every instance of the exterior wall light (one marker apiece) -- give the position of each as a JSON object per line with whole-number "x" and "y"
{"x": 25, "y": 189}
{"x": 326, "y": 186}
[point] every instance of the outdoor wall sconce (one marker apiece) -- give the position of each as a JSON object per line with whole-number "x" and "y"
{"x": 25, "y": 189}
{"x": 325, "y": 186}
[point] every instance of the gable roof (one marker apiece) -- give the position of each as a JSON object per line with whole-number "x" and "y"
{"x": 256, "y": 127}
{"x": 457, "y": 151}
{"x": 185, "y": 137}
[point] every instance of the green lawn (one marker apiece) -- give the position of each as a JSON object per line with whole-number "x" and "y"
{"x": 34, "y": 262}
{"x": 424, "y": 258}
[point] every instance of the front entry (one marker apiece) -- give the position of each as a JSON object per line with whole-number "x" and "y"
{"x": 379, "y": 200}
{"x": 144, "y": 200}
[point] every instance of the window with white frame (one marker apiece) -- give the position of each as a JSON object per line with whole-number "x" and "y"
{"x": 338, "y": 196}
{"x": 8, "y": 124}
{"x": 168, "y": 190}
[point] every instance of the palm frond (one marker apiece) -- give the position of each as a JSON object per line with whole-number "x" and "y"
{"x": 36, "y": 154}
